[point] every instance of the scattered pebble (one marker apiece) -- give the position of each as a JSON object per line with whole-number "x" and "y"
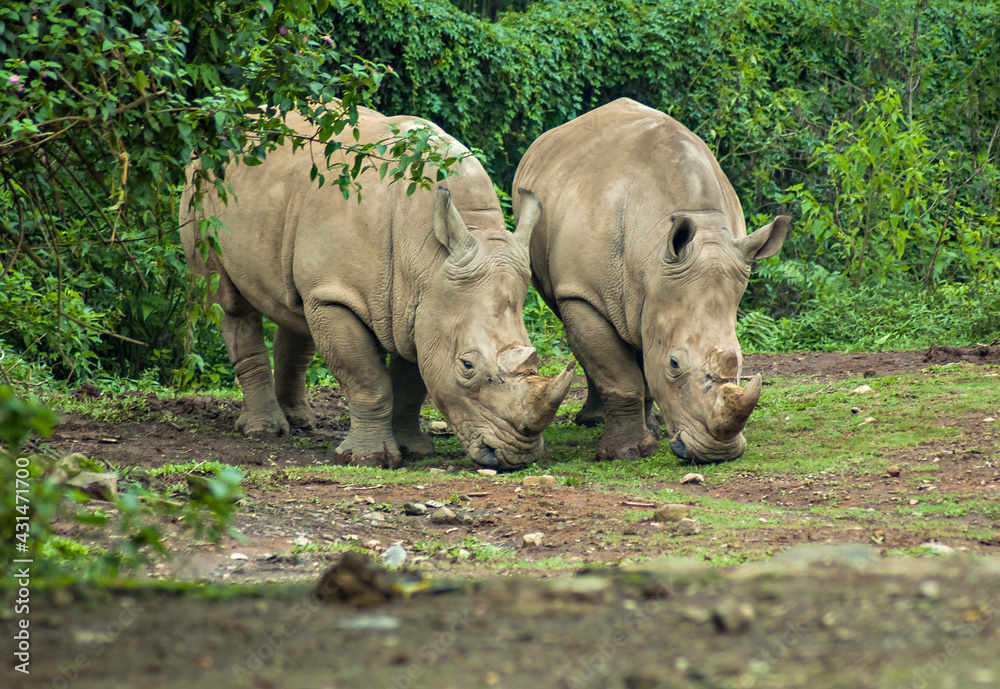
{"x": 855, "y": 410}
{"x": 533, "y": 539}
{"x": 930, "y": 589}
{"x": 988, "y": 419}
{"x": 435, "y": 470}
{"x": 301, "y": 541}
{"x": 375, "y": 516}
{"x": 463, "y": 554}
{"x": 862, "y": 389}
{"x": 433, "y": 504}
{"x": 415, "y": 509}
{"x": 438, "y": 427}
{"x": 688, "y": 527}
{"x": 693, "y": 478}
{"x": 238, "y": 556}
{"x": 365, "y": 623}
{"x": 671, "y": 512}
{"x": 486, "y": 472}
{"x": 731, "y": 616}
{"x": 893, "y": 470}
{"x": 394, "y": 556}
{"x": 870, "y": 419}
{"x": 939, "y": 548}
{"x": 545, "y": 480}
{"x": 443, "y": 515}
{"x": 914, "y": 501}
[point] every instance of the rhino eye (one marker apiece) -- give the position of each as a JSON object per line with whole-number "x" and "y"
{"x": 467, "y": 364}
{"x": 674, "y": 364}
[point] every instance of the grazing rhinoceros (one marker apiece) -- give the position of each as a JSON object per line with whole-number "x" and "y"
{"x": 642, "y": 251}
{"x": 434, "y": 280}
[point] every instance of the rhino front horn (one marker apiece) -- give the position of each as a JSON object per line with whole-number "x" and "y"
{"x": 546, "y": 396}
{"x": 734, "y": 406}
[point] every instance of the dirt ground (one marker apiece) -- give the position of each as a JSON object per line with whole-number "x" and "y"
{"x": 842, "y": 620}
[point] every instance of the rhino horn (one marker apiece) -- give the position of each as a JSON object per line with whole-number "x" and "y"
{"x": 519, "y": 361}
{"x": 449, "y": 228}
{"x": 546, "y": 396}
{"x": 734, "y": 406}
{"x": 528, "y": 213}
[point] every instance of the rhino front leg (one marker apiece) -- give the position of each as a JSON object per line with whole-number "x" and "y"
{"x": 408, "y": 394}
{"x": 612, "y": 370}
{"x": 244, "y": 337}
{"x": 357, "y": 361}
{"x": 292, "y": 355}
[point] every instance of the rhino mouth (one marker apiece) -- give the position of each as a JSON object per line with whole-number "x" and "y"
{"x": 487, "y": 450}
{"x": 695, "y": 448}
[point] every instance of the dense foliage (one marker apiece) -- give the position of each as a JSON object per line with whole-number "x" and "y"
{"x": 876, "y": 124}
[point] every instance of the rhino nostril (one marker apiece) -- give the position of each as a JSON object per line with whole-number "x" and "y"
{"x": 677, "y": 447}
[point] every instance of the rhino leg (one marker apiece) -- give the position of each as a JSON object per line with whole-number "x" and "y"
{"x": 408, "y": 394}
{"x": 292, "y": 355}
{"x": 611, "y": 368}
{"x": 244, "y": 337}
{"x": 357, "y": 361}
{"x": 592, "y": 413}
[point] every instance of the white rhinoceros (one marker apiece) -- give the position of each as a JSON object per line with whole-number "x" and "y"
{"x": 642, "y": 251}
{"x": 434, "y": 280}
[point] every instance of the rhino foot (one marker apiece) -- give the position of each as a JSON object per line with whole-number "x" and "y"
{"x": 415, "y": 445}
{"x": 384, "y": 458}
{"x": 615, "y": 449}
{"x": 300, "y": 417}
{"x": 588, "y": 418}
{"x": 257, "y": 425}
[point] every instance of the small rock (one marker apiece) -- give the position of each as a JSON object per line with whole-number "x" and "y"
{"x": 438, "y": 427}
{"x": 443, "y": 515}
{"x": 238, "y": 556}
{"x": 545, "y": 480}
{"x": 930, "y": 589}
{"x": 103, "y": 486}
{"x": 893, "y": 470}
{"x": 671, "y": 513}
{"x": 862, "y": 389}
{"x": 855, "y": 410}
{"x": 939, "y": 548}
{"x": 367, "y": 623}
{"x": 302, "y": 541}
{"x": 695, "y": 614}
{"x": 373, "y": 544}
{"x": 731, "y": 616}
{"x": 486, "y": 472}
{"x": 463, "y": 554}
{"x": 914, "y": 501}
{"x": 533, "y": 539}
{"x": 394, "y": 556}
{"x": 375, "y": 516}
{"x": 688, "y": 527}
{"x": 870, "y": 419}
{"x": 988, "y": 419}
{"x": 435, "y": 470}
{"x": 433, "y": 504}
{"x": 693, "y": 478}
{"x": 414, "y": 509}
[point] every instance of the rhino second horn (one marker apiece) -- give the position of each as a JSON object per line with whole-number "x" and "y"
{"x": 546, "y": 396}
{"x": 734, "y": 406}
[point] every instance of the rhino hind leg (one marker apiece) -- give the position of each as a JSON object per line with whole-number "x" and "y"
{"x": 613, "y": 373}
{"x": 408, "y": 395}
{"x": 243, "y": 333}
{"x": 592, "y": 413}
{"x": 358, "y": 363}
{"x": 292, "y": 355}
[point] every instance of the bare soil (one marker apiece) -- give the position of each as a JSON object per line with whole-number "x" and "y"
{"x": 832, "y": 623}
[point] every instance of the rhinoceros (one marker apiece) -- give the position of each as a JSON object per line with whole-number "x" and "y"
{"x": 642, "y": 251}
{"x": 433, "y": 280}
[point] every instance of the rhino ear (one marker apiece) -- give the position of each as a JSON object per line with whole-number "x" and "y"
{"x": 765, "y": 241}
{"x": 449, "y": 228}
{"x": 529, "y": 211}
{"x": 680, "y": 235}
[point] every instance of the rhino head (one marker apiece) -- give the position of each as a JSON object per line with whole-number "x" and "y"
{"x": 472, "y": 347}
{"x": 691, "y": 357}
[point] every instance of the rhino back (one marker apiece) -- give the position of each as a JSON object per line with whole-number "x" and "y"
{"x": 609, "y": 182}
{"x": 290, "y": 241}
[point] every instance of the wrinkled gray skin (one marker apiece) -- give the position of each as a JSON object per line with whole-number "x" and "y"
{"x": 642, "y": 251}
{"x": 433, "y": 279}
